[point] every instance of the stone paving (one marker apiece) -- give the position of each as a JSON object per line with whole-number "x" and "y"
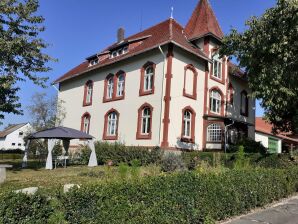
{"x": 285, "y": 212}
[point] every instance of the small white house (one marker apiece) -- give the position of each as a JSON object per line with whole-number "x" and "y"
{"x": 276, "y": 143}
{"x": 13, "y": 136}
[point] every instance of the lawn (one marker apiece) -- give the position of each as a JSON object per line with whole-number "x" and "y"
{"x": 49, "y": 180}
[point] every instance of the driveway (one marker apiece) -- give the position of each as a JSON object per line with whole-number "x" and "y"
{"x": 285, "y": 212}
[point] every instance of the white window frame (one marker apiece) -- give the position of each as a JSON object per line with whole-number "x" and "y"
{"x": 148, "y": 78}
{"x": 215, "y": 102}
{"x": 86, "y": 124}
{"x": 120, "y": 84}
{"x": 89, "y": 92}
{"x": 217, "y": 67}
{"x": 110, "y": 87}
{"x": 146, "y": 121}
{"x": 112, "y": 124}
{"x": 214, "y": 133}
{"x": 93, "y": 62}
{"x": 187, "y": 124}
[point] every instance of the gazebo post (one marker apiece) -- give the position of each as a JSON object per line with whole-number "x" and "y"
{"x": 25, "y": 158}
{"x": 92, "y": 159}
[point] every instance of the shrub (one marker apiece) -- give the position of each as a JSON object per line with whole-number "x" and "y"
{"x": 21, "y": 208}
{"x": 250, "y": 146}
{"x": 171, "y": 162}
{"x": 241, "y": 161}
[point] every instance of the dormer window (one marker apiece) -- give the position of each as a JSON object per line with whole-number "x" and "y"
{"x": 119, "y": 52}
{"x": 93, "y": 62}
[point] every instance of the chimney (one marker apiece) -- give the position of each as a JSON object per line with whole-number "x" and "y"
{"x": 120, "y": 34}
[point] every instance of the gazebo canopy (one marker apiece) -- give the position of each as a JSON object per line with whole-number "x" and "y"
{"x": 65, "y": 134}
{"x": 60, "y": 133}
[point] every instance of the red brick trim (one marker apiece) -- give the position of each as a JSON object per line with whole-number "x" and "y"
{"x": 85, "y": 104}
{"x": 105, "y": 134}
{"x": 115, "y": 85}
{"x": 142, "y": 92}
{"x": 139, "y": 134}
{"x": 167, "y": 97}
{"x": 86, "y": 114}
{"x": 216, "y": 88}
{"x": 245, "y": 113}
{"x": 193, "y": 125}
{"x": 206, "y": 45}
{"x": 195, "y": 79}
{"x": 205, "y": 107}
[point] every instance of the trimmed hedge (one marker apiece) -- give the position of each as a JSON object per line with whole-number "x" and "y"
{"x": 185, "y": 197}
{"x": 119, "y": 153}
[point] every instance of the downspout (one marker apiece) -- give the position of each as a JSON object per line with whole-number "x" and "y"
{"x": 162, "y": 93}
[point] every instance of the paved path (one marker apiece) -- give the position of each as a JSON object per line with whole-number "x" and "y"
{"x": 285, "y": 212}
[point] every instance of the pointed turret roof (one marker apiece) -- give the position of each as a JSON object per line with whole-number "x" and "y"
{"x": 203, "y": 22}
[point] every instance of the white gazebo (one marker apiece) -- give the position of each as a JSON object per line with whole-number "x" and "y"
{"x": 64, "y": 134}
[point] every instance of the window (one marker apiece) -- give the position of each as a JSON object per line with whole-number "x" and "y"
{"x": 144, "y": 122}
{"x": 13, "y": 144}
{"x": 214, "y": 133}
{"x": 93, "y": 62}
{"x": 114, "y": 88}
{"x": 111, "y": 125}
{"x": 215, "y": 102}
{"x": 110, "y": 88}
{"x": 147, "y": 79}
{"x": 188, "y": 125}
{"x": 85, "y": 123}
{"x": 217, "y": 67}
{"x": 190, "y": 82}
{"x": 244, "y": 104}
{"x": 231, "y": 94}
{"x": 119, "y": 52}
{"x": 21, "y": 133}
{"x": 88, "y": 90}
{"x": 19, "y": 144}
{"x": 120, "y": 84}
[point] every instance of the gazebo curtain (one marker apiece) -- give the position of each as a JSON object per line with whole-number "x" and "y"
{"x": 51, "y": 144}
{"x": 92, "y": 159}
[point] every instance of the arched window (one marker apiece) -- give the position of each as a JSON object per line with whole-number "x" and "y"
{"x": 120, "y": 84}
{"x": 214, "y": 133}
{"x": 215, "y": 102}
{"x": 188, "y": 125}
{"x": 88, "y": 91}
{"x": 190, "y": 82}
{"x": 110, "y": 87}
{"x": 85, "y": 123}
{"x": 144, "y": 122}
{"x": 244, "y": 104}
{"x": 111, "y": 125}
{"x": 217, "y": 67}
{"x": 147, "y": 79}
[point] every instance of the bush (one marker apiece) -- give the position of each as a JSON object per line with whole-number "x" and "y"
{"x": 180, "y": 197}
{"x": 117, "y": 153}
{"x": 21, "y": 208}
{"x": 171, "y": 162}
{"x": 250, "y": 146}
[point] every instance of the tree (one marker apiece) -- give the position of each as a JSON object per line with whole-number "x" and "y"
{"x": 21, "y": 55}
{"x": 268, "y": 52}
{"x": 46, "y": 112}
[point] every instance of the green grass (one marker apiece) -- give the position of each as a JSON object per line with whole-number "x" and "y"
{"x": 50, "y": 180}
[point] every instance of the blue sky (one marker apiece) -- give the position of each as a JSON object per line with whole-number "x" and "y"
{"x": 77, "y": 29}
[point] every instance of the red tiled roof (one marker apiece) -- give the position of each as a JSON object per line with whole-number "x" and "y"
{"x": 264, "y": 127}
{"x": 165, "y": 32}
{"x": 203, "y": 21}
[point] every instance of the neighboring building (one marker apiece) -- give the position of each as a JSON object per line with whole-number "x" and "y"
{"x": 276, "y": 143}
{"x": 165, "y": 86}
{"x": 13, "y": 136}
